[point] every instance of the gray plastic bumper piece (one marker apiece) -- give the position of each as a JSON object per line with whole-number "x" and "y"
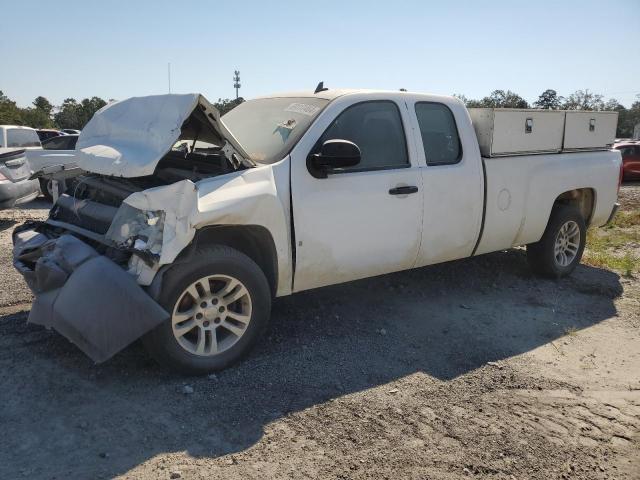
{"x": 83, "y": 295}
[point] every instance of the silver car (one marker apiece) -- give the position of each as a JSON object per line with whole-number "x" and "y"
{"x": 15, "y": 186}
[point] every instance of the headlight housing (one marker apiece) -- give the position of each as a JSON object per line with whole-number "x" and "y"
{"x": 138, "y": 230}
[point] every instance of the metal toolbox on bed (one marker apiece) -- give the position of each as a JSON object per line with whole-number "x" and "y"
{"x": 511, "y": 131}
{"x": 589, "y": 130}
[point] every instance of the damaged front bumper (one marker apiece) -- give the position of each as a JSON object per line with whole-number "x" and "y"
{"x": 82, "y": 294}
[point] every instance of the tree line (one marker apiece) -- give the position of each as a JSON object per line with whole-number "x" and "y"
{"x": 71, "y": 114}
{"x": 550, "y": 100}
{"x": 76, "y": 114}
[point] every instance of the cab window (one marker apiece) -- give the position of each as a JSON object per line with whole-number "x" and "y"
{"x": 376, "y": 128}
{"x": 439, "y": 133}
{"x": 22, "y": 138}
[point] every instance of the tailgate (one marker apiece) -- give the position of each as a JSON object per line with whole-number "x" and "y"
{"x": 14, "y": 166}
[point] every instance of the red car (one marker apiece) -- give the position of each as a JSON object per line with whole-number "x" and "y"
{"x": 630, "y": 160}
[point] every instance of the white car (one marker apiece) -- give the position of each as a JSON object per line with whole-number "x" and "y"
{"x": 187, "y": 248}
{"x": 15, "y": 186}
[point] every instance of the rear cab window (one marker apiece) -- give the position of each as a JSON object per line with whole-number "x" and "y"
{"x": 439, "y": 133}
{"x": 22, "y": 138}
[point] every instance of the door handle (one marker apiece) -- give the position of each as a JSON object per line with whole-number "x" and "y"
{"x": 403, "y": 190}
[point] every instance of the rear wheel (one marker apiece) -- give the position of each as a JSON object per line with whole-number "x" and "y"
{"x": 560, "y": 249}
{"x": 219, "y": 306}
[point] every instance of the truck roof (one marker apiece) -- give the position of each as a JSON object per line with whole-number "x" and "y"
{"x": 333, "y": 93}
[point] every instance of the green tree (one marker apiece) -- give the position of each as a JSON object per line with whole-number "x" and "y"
{"x": 76, "y": 115}
{"x": 502, "y": 99}
{"x": 469, "y": 103}
{"x": 548, "y": 100}
{"x": 10, "y": 114}
{"x": 44, "y": 105}
{"x": 89, "y": 106}
{"x": 69, "y": 115}
{"x": 36, "y": 118}
{"x": 627, "y": 120}
{"x": 613, "y": 105}
{"x": 227, "y": 105}
{"x": 583, "y": 100}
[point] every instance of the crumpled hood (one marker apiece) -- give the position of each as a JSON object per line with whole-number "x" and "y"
{"x": 128, "y": 138}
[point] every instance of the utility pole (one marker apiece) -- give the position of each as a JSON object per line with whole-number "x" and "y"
{"x": 169, "y": 75}
{"x": 236, "y": 81}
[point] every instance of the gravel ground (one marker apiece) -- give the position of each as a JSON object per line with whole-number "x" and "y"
{"x": 471, "y": 369}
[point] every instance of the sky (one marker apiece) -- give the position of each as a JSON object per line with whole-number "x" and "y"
{"x": 117, "y": 49}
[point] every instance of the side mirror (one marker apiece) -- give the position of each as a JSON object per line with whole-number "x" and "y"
{"x": 333, "y": 154}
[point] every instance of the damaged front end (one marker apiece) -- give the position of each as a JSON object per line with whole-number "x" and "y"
{"x": 84, "y": 295}
{"x": 118, "y": 222}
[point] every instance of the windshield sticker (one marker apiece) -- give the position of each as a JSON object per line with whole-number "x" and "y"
{"x": 302, "y": 108}
{"x": 285, "y": 128}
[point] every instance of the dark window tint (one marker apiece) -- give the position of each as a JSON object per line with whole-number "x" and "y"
{"x": 22, "y": 137}
{"x": 439, "y": 134}
{"x": 53, "y": 143}
{"x": 376, "y": 128}
{"x": 627, "y": 151}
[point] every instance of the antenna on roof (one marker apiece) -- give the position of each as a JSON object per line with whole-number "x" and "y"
{"x": 320, "y": 88}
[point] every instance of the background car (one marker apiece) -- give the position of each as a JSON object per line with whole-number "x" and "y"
{"x": 15, "y": 186}
{"x": 14, "y": 136}
{"x": 630, "y": 160}
{"x": 47, "y": 133}
{"x": 63, "y": 142}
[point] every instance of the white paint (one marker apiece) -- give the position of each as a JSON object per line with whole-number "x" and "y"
{"x": 535, "y": 181}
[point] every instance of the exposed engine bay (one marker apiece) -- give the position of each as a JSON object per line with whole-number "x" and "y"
{"x": 91, "y": 201}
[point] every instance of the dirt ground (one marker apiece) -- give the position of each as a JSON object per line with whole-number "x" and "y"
{"x": 471, "y": 369}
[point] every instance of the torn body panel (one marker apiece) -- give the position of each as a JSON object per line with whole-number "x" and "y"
{"x": 85, "y": 296}
{"x": 252, "y": 197}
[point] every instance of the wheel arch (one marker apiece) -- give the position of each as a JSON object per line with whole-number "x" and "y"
{"x": 255, "y": 241}
{"x": 582, "y": 198}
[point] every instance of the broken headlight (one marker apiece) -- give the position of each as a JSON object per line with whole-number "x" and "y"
{"x": 139, "y": 230}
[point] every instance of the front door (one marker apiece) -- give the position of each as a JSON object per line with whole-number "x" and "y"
{"x": 358, "y": 222}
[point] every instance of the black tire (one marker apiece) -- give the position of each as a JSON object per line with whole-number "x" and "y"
{"x": 211, "y": 260}
{"x": 44, "y": 188}
{"x": 541, "y": 255}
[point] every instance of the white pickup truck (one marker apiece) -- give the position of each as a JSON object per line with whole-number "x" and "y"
{"x": 186, "y": 247}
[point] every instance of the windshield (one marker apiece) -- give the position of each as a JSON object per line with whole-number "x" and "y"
{"x": 268, "y": 128}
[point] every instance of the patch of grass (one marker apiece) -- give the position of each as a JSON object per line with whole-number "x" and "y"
{"x": 616, "y": 246}
{"x": 627, "y": 265}
{"x": 626, "y": 219}
{"x": 571, "y": 331}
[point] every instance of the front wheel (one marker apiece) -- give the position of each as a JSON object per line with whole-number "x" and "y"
{"x": 219, "y": 306}
{"x": 560, "y": 249}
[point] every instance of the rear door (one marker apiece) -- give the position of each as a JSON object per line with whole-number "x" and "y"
{"x": 353, "y": 224}
{"x": 453, "y": 180}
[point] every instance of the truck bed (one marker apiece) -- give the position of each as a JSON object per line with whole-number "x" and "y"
{"x": 520, "y": 193}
